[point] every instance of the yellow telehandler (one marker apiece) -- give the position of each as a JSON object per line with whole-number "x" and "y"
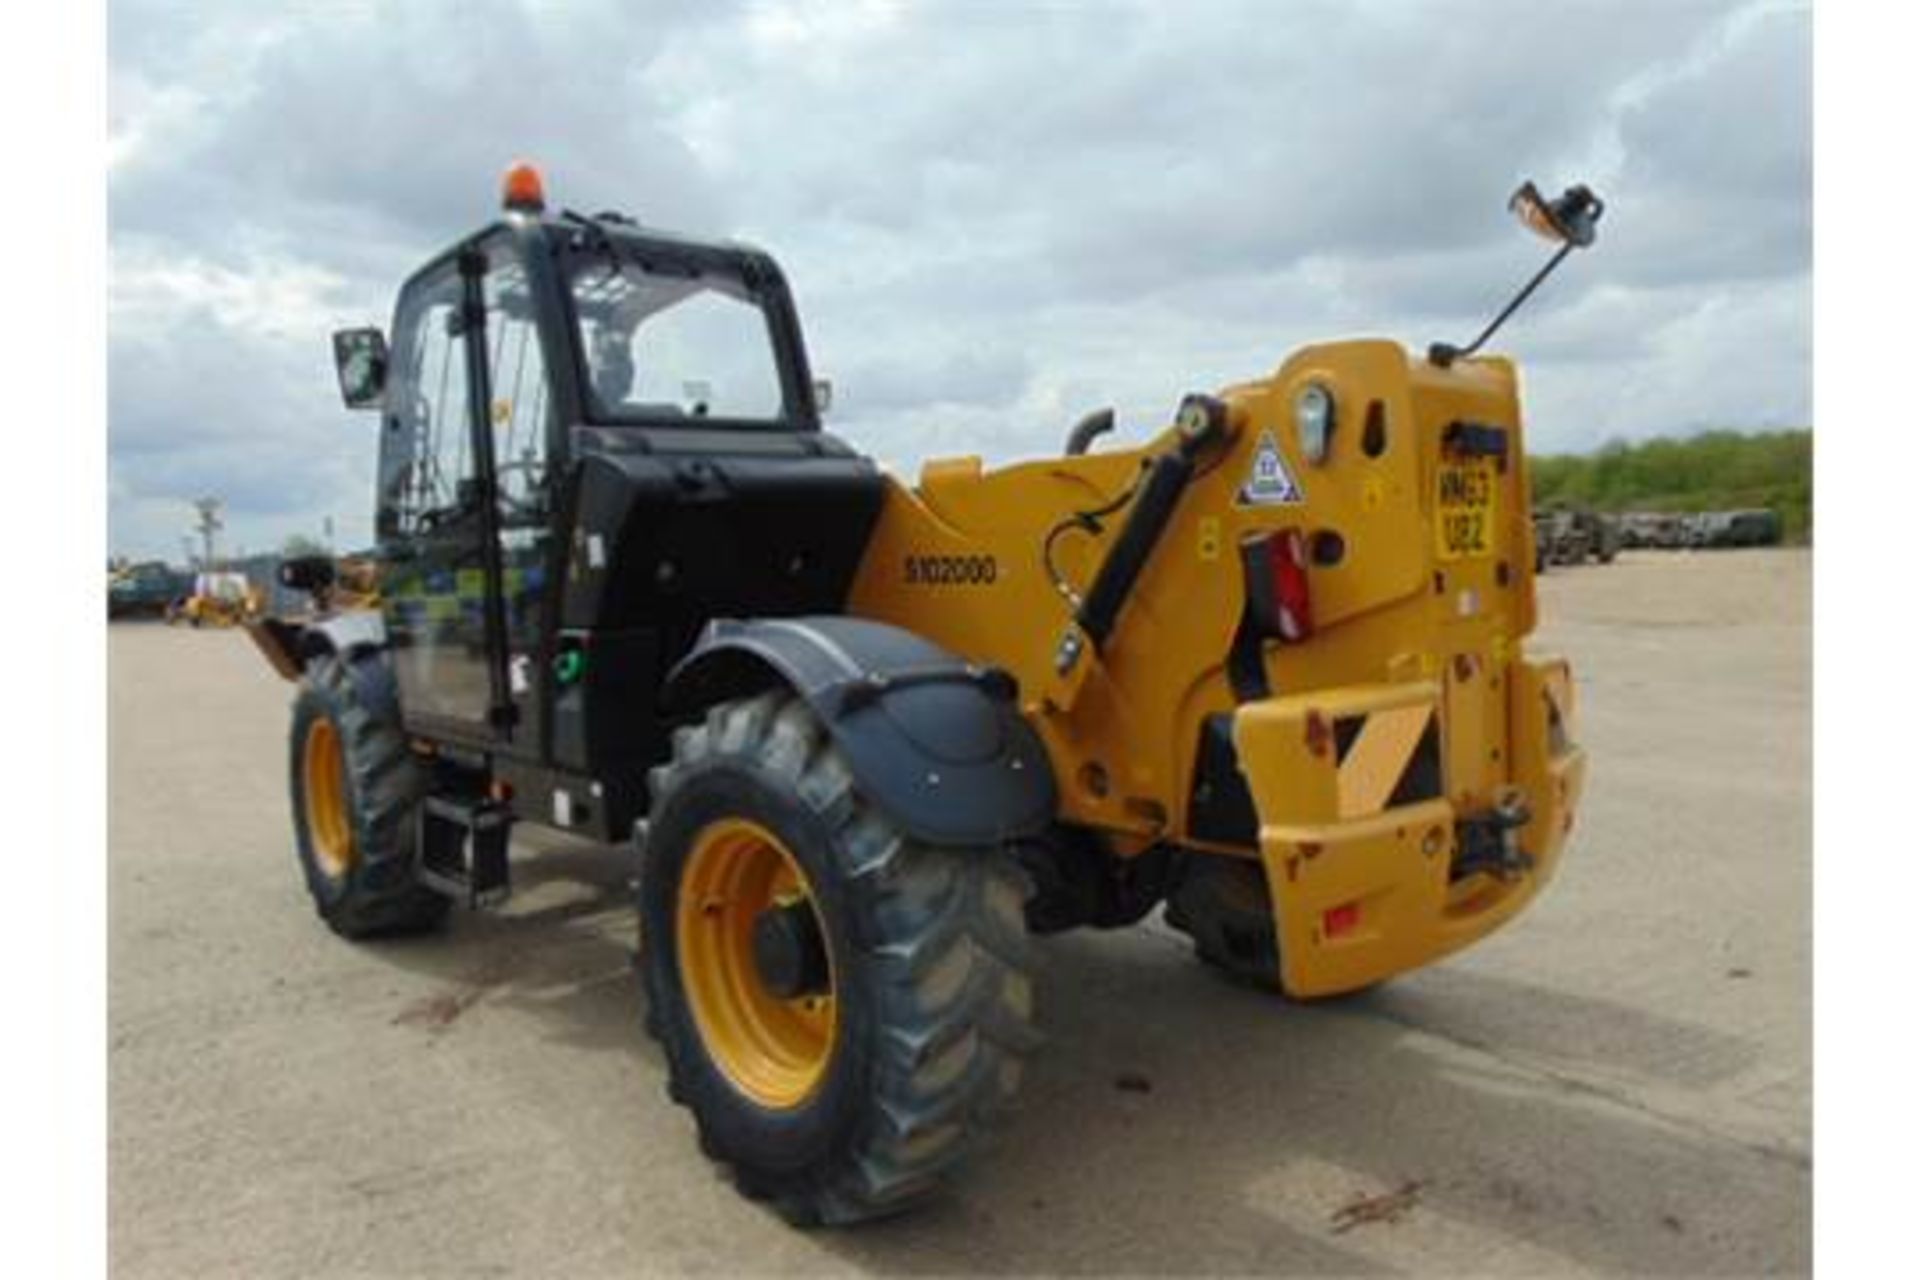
{"x": 1266, "y": 666}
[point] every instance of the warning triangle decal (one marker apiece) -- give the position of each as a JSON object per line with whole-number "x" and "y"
{"x": 1269, "y": 483}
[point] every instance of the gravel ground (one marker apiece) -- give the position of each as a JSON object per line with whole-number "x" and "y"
{"x": 1619, "y": 1082}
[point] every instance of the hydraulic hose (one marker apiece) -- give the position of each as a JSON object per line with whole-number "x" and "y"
{"x": 1202, "y": 419}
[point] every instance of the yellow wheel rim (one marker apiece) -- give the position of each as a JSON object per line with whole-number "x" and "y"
{"x": 773, "y": 1050}
{"x": 323, "y": 772}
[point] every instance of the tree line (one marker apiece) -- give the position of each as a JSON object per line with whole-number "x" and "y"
{"x": 1713, "y": 471}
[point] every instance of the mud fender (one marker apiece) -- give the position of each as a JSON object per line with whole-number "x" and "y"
{"x": 937, "y": 742}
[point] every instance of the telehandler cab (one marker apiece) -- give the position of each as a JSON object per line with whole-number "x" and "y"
{"x": 1265, "y": 667}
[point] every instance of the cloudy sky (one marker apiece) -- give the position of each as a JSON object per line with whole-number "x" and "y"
{"x": 996, "y": 216}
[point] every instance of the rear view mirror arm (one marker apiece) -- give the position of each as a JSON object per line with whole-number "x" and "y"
{"x": 1444, "y": 354}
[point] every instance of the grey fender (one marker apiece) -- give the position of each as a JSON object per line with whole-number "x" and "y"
{"x": 938, "y": 743}
{"x": 290, "y": 643}
{"x": 358, "y": 637}
{"x": 348, "y": 633}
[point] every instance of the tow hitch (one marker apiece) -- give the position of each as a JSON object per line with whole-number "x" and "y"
{"x": 1490, "y": 841}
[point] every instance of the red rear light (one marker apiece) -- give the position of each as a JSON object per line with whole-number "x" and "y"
{"x": 1287, "y": 559}
{"x": 1279, "y": 594}
{"x": 1338, "y": 922}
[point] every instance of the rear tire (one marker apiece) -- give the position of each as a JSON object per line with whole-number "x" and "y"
{"x": 356, "y": 789}
{"x": 925, "y": 956}
{"x": 1222, "y": 904}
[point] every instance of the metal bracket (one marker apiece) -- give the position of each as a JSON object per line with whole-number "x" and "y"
{"x": 861, "y": 691}
{"x": 1490, "y": 842}
{"x": 462, "y": 850}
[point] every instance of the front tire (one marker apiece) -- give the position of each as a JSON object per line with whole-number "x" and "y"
{"x": 843, "y": 1009}
{"x": 356, "y": 790}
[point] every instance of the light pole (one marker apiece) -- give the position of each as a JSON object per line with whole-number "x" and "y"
{"x": 209, "y": 524}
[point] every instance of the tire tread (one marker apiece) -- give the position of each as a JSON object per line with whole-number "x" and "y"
{"x": 382, "y": 897}
{"x": 947, "y": 941}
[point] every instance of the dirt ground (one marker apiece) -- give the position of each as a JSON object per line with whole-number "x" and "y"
{"x": 1619, "y": 1082}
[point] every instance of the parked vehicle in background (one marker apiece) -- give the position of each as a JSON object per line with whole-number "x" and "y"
{"x": 1572, "y": 535}
{"x": 1704, "y": 529}
{"x": 1759, "y": 527}
{"x": 1657, "y": 529}
{"x": 1747, "y": 527}
{"x": 217, "y": 600}
{"x": 144, "y": 590}
{"x": 1557, "y": 539}
{"x": 1603, "y": 535}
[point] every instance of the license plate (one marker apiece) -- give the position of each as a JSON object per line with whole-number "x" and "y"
{"x": 1464, "y": 513}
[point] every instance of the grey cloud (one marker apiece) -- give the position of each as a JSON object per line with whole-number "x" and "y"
{"x": 1736, "y": 357}
{"x": 1718, "y": 179}
{"x": 211, "y": 409}
{"x": 394, "y": 128}
{"x": 994, "y": 217}
{"x": 989, "y": 377}
{"x": 1156, "y": 147}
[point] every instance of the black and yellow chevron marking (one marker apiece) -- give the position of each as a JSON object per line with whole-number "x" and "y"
{"x": 1386, "y": 758}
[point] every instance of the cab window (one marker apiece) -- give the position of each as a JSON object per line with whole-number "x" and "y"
{"x": 666, "y": 347}
{"x": 517, "y": 377}
{"x": 428, "y": 481}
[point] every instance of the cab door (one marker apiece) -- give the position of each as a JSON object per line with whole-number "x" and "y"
{"x": 439, "y": 512}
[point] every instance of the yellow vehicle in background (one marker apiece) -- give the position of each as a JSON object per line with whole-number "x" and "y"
{"x": 1266, "y": 665}
{"x": 347, "y": 586}
{"x": 217, "y": 600}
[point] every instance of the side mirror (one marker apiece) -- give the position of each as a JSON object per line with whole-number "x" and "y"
{"x": 1572, "y": 219}
{"x": 822, "y": 395}
{"x": 307, "y": 573}
{"x": 360, "y": 359}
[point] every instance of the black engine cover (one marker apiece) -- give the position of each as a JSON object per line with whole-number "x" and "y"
{"x": 671, "y": 528}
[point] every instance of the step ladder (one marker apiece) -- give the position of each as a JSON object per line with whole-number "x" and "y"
{"x": 463, "y": 849}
